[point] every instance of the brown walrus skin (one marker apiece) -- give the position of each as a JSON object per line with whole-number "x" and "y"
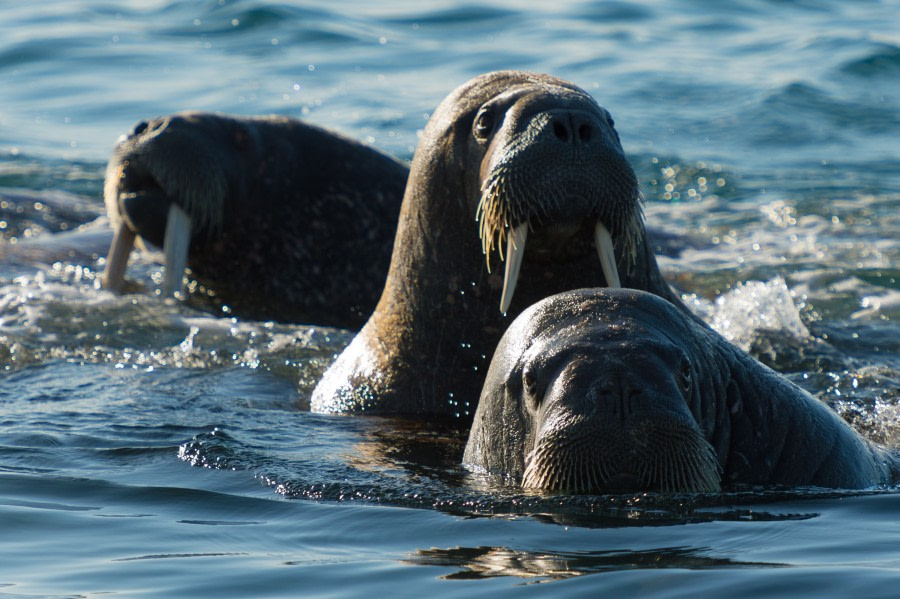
{"x": 288, "y": 221}
{"x": 506, "y": 155}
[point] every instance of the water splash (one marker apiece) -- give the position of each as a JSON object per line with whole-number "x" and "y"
{"x": 60, "y": 313}
{"x": 752, "y": 308}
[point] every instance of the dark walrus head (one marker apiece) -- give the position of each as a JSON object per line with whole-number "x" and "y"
{"x": 513, "y": 167}
{"x": 594, "y": 392}
{"x": 600, "y": 390}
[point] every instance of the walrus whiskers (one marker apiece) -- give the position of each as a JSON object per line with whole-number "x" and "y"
{"x": 505, "y": 207}
{"x": 495, "y": 213}
{"x": 679, "y": 460}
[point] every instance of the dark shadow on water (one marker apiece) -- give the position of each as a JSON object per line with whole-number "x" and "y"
{"x": 474, "y": 563}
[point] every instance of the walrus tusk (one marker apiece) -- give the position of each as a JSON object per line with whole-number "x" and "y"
{"x": 175, "y": 248}
{"x": 515, "y": 249}
{"x": 117, "y": 259}
{"x": 607, "y": 255}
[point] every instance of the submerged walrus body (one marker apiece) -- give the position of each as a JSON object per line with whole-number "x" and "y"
{"x": 519, "y": 189}
{"x": 278, "y": 219}
{"x": 602, "y": 390}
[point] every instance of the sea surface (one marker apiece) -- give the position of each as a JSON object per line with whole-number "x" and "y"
{"x": 150, "y": 449}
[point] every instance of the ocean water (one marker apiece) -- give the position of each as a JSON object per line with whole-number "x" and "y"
{"x": 150, "y": 449}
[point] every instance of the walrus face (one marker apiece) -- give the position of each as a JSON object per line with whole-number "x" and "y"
{"x": 612, "y": 415}
{"x": 583, "y": 397}
{"x": 190, "y": 160}
{"x": 551, "y": 164}
{"x": 169, "y": 182}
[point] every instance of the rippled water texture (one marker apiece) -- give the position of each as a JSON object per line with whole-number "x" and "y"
{"x": 148, "y": 448}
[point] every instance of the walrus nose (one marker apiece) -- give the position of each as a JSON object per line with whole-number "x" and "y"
{"x": 619, "y": 395}
{"x": 572, "y": 127}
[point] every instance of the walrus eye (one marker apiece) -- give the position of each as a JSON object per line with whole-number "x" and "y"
{"x": 612, "y": 126}
{"x": 484, "y": 125}
{"x": 686, "y": 377}
{"x": 529, "y": 381}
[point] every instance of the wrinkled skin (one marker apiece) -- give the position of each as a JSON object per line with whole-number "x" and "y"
{"x": 505, "y": 149}
{"x": 289, "y": 222}
{"x": 605, "y": 390}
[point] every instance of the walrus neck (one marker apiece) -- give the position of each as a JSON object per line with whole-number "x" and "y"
{"x": 418, "y": 296}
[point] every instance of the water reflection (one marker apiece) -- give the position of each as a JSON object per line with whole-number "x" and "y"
{"x": 472, "y": 563}
{"x": 420, "y": 450}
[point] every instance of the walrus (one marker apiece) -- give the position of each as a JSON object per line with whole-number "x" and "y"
{"x": 277, "y": 218}
{"x": 603, "y": 390}
{"x": 507, "y": 158}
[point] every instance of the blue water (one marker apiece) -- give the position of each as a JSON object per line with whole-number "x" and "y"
{"x": 149, "y": 449}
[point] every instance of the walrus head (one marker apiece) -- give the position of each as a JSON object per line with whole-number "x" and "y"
{"x": 595, "y": 391}
{"x": 190, "y": 159}
{"x": 169, "y": 181}
{"x": 543, "y": 159}
{"x": 553, "y": 164}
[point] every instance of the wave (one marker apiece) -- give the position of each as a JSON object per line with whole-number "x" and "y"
{"x": 883, "y": 61}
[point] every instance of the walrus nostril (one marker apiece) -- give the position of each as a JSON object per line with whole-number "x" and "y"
{"x": 584, "y": 132}
{"x": 561, "y": 130}
{"x": 140, "y": 128}
{"x": 568, "y": 129}
{"x": 631, "y": 395}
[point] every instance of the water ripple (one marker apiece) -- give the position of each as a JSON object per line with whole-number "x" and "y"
{"x": 883, "y": 61}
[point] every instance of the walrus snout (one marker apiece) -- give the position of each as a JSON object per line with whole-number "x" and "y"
{"x": 604, "y": 453}
{"x": 599, "y": 456}
{"x": 165, "y": 184}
